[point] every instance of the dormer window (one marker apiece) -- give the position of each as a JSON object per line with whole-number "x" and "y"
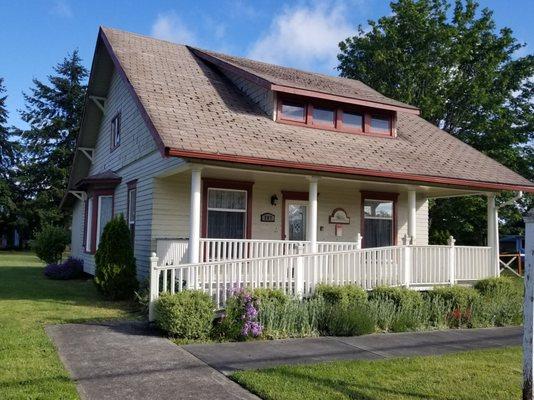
{"x": 293, "y": 111}
{"x": 335, "y": 116}
{"x": 324, "y": 117}
{"x": 380, "y": 124}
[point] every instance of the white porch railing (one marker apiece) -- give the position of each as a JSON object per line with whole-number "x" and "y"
{"x": 288, "y": 266}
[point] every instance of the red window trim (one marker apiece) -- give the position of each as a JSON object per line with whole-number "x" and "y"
{"x": 290, "y": 195}
{"x": 208, "y": 183}
{"x": 95, "y": 195}
{"x": 113, "y": 145}
{"x": 366, "y": 113}
{"x": 394, "y": 197}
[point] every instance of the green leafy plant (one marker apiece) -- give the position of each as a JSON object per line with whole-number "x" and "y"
{"x": 345, "y": 294}
{"x": 186, "y": 315}
{"x": 115, "y": 274}
{"x": 348, "y": 320}
{"x": 400, "y": 296}
{"x": 265, "y": 294}
{"x": 49, "y": 243}
{"x": 502, "y": 284}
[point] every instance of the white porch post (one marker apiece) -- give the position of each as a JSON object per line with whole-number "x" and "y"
{"x": 412, "y": 212}
{"x": 528, "y": 307}
{"x": 493, "y": 232}
{"x": 194, "y": 216}
{"x": 312, "y": 214}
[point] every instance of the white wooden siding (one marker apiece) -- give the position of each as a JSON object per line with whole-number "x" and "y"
{"x": 137, "y": 157}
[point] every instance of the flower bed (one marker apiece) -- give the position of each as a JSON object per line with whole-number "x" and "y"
{"x": 349, "y": 311}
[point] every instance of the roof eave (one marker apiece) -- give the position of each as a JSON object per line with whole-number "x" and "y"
{"x": 324, "y": 168}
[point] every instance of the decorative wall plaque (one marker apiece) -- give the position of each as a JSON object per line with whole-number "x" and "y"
{"x": 339, "y": 216}
{"x": 267, "y": 217}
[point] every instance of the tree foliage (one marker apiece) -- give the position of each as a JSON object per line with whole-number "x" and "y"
{"x": 8, "y": 156}
{"x": 466, "y": 77}
{"x": 53, "y": 112}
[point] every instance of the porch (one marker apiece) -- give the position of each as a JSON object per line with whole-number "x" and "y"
{"x": 289, "y": 231}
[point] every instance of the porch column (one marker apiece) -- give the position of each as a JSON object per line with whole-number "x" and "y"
{"x": 493, "y": 232}
{"x": 412, "y": 212}
{"x": 312, "y": 214}
{"x": 194, "y": 216}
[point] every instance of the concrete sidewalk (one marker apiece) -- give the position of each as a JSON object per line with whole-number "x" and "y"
{"x": 126, "y": 360}
{"x": 229, "y": 357}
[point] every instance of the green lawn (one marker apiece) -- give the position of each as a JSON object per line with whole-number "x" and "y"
{"x": 475, "y": 375}
{"x": 29, "y": 364}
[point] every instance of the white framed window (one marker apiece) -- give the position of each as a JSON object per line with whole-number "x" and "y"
{"x": 104, "y": 215}
{"x": 227, "y": 213}
{"x": 88, "y": 224}
{"x": 116, "y": 131}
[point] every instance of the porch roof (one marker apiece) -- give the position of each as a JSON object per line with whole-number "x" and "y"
{"x": 195, "y": 112}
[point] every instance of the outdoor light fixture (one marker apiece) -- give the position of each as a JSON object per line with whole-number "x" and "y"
{"x": 274, "y": 199}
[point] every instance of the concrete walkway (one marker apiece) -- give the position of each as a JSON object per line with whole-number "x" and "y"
{"x": 126, "y": 361}
{"x": 228, "y": 357}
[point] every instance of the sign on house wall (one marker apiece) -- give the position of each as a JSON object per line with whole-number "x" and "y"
{"x": 267, "y": 217}
{"x": 339, "y": 216}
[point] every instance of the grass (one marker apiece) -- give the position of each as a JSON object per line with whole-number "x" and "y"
{"x": 474, "y": 375}
{"x": 30, "y": 367}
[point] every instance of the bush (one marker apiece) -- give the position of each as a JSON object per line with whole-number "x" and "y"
{"x": 70, "y": 269}
{"x": 499, "y": 285}
{"x": 461, "y": 297}
{"x": 49, "y": 243}
{"x": 186, "y": 314}
{"x": 348, "y": 320}
{"x": 115, "y": 274}
{"x": 344, "y": 295}
{"x": 400, "y": 296}
{"x": 263, "y": 294}
{"x": 241, "y": 317}
{"x": 293, "y": 318}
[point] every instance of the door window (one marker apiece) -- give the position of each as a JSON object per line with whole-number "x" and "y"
{"x": 297, "y": 216}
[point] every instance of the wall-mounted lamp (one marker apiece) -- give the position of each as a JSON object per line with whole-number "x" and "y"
{"x": 274, "y": 199}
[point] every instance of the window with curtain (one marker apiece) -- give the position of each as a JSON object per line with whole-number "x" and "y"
{"x": 88, "y": 224}
{"x": 227, "y": 213}
{"x": 378, "y": 226}
{"x": 132, "y": 194}
{"x": 105, "y": 213}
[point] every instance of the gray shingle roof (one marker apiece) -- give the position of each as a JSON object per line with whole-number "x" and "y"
{"x": 195, "y": 109}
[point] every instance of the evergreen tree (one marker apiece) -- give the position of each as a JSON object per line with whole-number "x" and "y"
{"x": 466, "y": 78}
{"x": 8, "y": 155}
{"x": 53, "y": 112}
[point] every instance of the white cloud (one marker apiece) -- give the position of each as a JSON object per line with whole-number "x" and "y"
{"x": 305, "y": 37}
{"x": 170, "y": 27}
{"x": 62, "y": 9}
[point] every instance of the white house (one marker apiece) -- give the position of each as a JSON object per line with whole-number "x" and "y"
{"x": 237, "y": 172}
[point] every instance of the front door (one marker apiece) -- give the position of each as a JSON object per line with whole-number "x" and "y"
{"x": 296, "y": 220}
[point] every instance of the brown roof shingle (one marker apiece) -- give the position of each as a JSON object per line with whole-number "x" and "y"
{"x": 195, "y": 109}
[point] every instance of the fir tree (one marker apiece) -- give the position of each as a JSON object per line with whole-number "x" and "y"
{"x": 53, "y": 112}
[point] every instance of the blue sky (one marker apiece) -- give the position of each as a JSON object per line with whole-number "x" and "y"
{"x": 37, "y": 34}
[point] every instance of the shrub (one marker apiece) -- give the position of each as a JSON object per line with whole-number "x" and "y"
{"x": 347, "y": 294}
{"x": 461, "y": 297}
{"x": 462, "y": 300}
{"x": 499, "y": 285}
{"x": 49, "y": 243}
{"x": 264, "y": 294}
{"x": 70, "y": 269}
{"x": 241, "y": 317}
{"x": 400, "y": 296}
{"x": 291, "y": 319}
{"x": 349, "y": 320}
{"x": 186, "y": 314}
{"x": 115, "y": 274}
